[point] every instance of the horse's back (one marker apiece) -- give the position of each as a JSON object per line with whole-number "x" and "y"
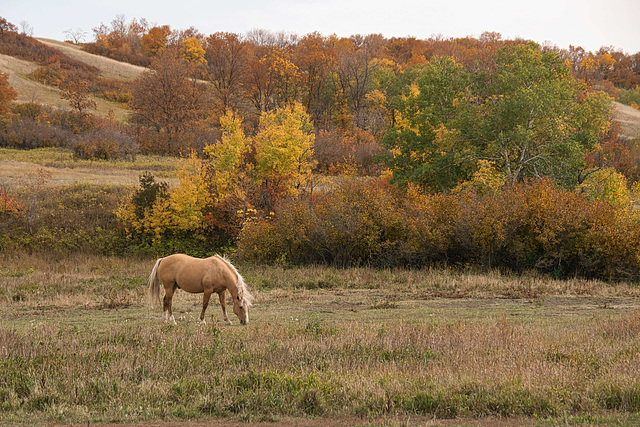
{"x": 193, "y": 274}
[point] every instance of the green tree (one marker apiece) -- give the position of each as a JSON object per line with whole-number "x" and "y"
{"x": 532, "y": 121}
{"x": 527, "y": 116}
{"x": 426, "y": 144}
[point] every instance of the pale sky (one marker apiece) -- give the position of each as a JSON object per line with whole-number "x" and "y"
{"x": 587, "y": 23}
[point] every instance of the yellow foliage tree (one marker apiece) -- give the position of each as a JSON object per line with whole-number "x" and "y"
{"x": 608, "y": 185}
{"x": 284, "y": 147}
{"x": 192, "y": 51}
{"x": 226, "y": 157}
{"x": 486, "y": 180}
{"x": 181, "y": 211}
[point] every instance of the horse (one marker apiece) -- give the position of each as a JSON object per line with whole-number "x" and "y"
{"x": 199, "y": 275}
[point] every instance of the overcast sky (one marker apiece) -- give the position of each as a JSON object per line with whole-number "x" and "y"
{"x": 587, "y": 23}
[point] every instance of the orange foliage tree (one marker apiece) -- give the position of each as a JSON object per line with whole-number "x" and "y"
{"x": 7, "y": 93}
{"x": 169, "y": 99}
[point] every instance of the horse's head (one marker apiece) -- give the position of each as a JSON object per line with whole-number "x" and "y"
{"x": 241, "y": 309}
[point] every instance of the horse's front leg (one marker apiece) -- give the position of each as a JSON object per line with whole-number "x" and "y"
{"x": 223, "y": 304}
{"x": 205, "y": 303}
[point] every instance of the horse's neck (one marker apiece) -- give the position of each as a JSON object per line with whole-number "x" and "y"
{"x": 233, "y": 290}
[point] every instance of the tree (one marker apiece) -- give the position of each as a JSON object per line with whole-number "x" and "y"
{"x": 6, "y": 26}
{"x": 155, "y": 40}
{"x": 532, "y": 120}
{"x": 192, "y": 51}
{"x": 168, "y": 98}
{"x": 526, "y": 116}
{"x": 226, "y": 56}
{"x": 227, "y": 158}
{"x": 284, "y": 148}
{"x": 315, "y": 59}
{"x": 75, "y": 35}
{"x": 7, "y": 93}
{"x": 76, "y": 91}
{"x": 426, "y": 144}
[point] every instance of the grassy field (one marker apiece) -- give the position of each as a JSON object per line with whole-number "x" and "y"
{"x": 57, "y": 166}
{"x": 78, "y": 344}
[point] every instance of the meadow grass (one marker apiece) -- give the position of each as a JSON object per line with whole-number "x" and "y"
{"x": 64, "y": 158}
{"x": 78, "y": 344}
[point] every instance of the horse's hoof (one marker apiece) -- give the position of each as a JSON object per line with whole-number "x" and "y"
{"x": 202, "y": 322}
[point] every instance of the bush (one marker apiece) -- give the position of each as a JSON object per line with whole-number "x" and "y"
{"x": 531, "y": 225}
{"x": 26, "y": 133}
{"x": 630, "y": 97}
{"x": 105, "y": 144}
{"x": 70, "y": 218}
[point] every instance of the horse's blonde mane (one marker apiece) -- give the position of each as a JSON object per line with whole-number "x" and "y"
{"x": 243, "y": 292}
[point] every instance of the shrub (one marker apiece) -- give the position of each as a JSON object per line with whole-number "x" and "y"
{"x": 526, "y": 226}
{"x": 358, "y": 223}
{"x": 70, "y": 218}
{"x": 105, "y": 144}
{"x": 26, "y": 133}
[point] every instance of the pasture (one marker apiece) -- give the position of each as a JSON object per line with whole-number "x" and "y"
{"x": 79, "y": 344}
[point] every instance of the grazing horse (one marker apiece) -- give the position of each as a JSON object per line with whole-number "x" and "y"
{"x": 198, "y": 275}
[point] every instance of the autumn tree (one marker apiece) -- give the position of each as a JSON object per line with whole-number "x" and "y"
{"x": 316, "y": 61}
{"x": 76, "y": 91}
{"x": 192, "y": 51}
{"x": 259, "y": 83}
{"x": 169, "y": 216}
{"x": 227, "y": 159}
{"x": 168, "y": 98}
{"x": 7, "y": 93}
{"x": 155, "y": 40}
{"x": 284, "y": 148}
{"x": 226, "y": 56}
{"x": 6, "y": 26}
{"x": 353, "y": 71}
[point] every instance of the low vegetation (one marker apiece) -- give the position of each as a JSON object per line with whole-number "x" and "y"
{"x": 79, "y": 345}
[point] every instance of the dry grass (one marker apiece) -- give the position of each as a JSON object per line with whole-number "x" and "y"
{"x": 629, "y": 119}
{"x": 79, "y": 344}
{"x": 58, "y": 167}
{"x": 108, "y": 68}
{"x": 31, "y": 91}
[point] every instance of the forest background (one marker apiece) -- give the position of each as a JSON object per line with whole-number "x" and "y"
{"x": 317, "y": 149}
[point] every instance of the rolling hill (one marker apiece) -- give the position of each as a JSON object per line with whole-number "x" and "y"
{"x": 31, "y": 91}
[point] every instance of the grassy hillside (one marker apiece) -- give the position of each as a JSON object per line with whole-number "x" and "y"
{"x": 629, "y": 119}
{"x": 31, "y": 91}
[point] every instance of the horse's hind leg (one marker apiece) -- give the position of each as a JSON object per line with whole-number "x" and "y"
{"x": 168, "y": 296}
{"x": 223, "y": 304}
{"x": 205, "y": 303}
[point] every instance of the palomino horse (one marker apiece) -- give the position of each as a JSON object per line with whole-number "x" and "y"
{"x": 197, "y": 275}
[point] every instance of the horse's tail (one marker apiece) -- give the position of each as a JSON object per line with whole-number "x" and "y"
{"x": 154, "y": 285}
